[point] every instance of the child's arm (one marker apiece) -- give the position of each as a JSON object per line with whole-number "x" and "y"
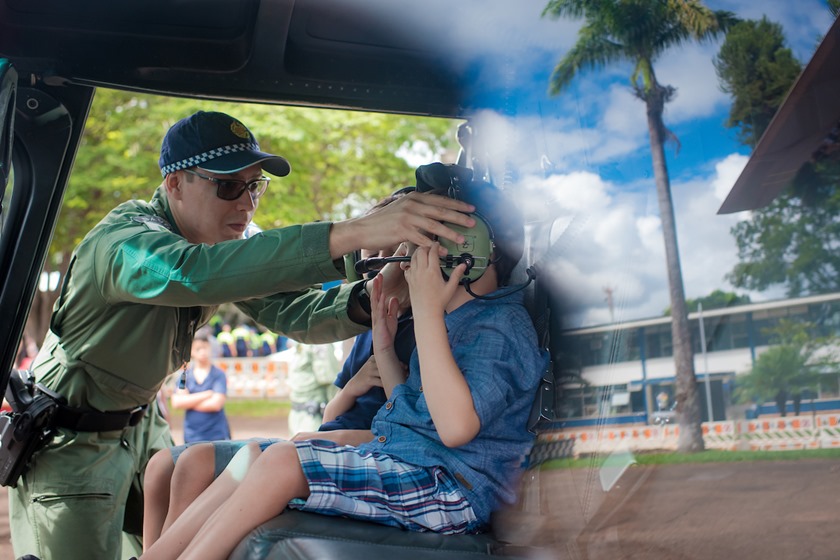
{"x": 182, "y": 398}
{"x": 444, "y": 386}
{"x": 362, "y": 381}
{"x": 338, "y": 405}
{"x": 384, "y": 312}
{"x": 214, "y": 403}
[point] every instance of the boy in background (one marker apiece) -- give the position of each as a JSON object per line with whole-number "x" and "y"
{"x": 204, "y": 395}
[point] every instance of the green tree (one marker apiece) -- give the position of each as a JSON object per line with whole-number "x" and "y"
{"x": 789, "y": 367}
{"x": 756, "y": 68}
{"x": 833, "y": 7}
{"x": 342, "y": 161}
{"x": 718, "y": 299}
{"x": 791, "y": 242}
{"x": 639, "y": 31}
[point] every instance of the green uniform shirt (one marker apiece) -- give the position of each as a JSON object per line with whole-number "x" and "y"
{"x": 136, "y": 290}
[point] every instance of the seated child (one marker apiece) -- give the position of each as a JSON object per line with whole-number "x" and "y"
{"x": 450, "y": 440}
{"x": 176, "y": 476}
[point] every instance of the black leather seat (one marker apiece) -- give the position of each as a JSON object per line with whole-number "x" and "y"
{"x": 308, "y": 536}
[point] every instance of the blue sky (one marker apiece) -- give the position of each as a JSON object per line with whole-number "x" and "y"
{"x": 582, "y": 158}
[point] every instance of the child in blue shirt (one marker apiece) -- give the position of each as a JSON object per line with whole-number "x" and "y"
{"x": 450, "y": 439}
{"x": 204, "y": 395}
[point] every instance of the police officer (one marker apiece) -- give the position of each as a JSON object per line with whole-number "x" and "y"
{"x": 138, "y": 286}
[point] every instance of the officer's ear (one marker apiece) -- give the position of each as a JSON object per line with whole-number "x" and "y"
{"x": 172, "y": 184}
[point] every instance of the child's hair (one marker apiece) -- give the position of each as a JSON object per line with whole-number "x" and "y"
{"x": 382, "y": 203}
{"x": 202, "y": 335}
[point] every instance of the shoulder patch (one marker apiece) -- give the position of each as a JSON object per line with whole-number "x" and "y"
{"x": 154, "y": 223}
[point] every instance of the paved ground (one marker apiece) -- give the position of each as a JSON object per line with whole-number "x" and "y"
{"x": 764, "y": 510}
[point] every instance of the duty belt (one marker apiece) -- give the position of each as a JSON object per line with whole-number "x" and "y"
{"x": 311, "y": 407}
{"x": 80, "y": 420}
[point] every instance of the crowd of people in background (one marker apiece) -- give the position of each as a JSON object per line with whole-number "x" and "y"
{"x": 245, "y": 341}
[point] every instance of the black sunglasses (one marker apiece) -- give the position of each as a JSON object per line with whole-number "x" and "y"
{"x": 232, "y": 189}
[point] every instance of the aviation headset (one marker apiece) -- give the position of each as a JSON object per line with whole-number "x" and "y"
{"x": 476, "y": 251}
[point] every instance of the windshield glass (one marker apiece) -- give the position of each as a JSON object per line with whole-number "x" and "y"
{"x": 696, "y": 395}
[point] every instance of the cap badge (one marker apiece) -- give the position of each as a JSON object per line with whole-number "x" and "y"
{"x": 239, "y": 129}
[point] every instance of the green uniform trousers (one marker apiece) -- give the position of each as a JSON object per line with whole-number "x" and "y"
{"x": 75, "y": 501}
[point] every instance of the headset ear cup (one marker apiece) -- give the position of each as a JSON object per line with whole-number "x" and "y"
{"x": 350, "y": 260}
{"x": 478, "y": 244}
{"x": 350, "y": 268}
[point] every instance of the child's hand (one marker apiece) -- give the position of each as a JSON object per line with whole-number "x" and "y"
{"x": 429, "y": 291}
{"x": 394, "y": 284}
{"x": 383, "y": 314}
{"x": 365, "y": 379}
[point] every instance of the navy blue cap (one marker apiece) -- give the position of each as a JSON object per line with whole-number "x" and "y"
{"x": 217, "y": 143}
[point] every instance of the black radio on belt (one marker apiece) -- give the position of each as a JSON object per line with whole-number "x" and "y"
{"x": 27, "y": 428}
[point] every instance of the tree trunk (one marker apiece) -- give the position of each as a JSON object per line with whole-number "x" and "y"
{"x": 781, "y": 403}
{"x": 687, "y": 400}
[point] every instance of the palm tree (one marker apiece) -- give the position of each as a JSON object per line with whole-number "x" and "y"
{"x": 834, "y": 7}
{"x": 793, "y": 364}
{"x": 639, "y": 31}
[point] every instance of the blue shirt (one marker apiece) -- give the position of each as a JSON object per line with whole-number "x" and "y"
{"x": 206, "y": 426}
{"x": 360, "y": 415}
{"x": 495, "y": 346}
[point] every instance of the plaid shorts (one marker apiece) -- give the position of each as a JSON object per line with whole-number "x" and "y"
{"x": 374, "y": 487}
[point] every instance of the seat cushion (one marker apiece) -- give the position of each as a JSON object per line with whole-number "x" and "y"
{"x": 301, "y": 535}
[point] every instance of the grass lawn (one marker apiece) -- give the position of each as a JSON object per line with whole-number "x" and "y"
{"x": 712, "y": 456}
{"x": 250, "y": 408}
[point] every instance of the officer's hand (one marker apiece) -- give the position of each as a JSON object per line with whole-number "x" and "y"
{"x": 415, "y": 217}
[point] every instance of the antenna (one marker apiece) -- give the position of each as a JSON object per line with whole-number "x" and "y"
{"x": 609, "y": 290}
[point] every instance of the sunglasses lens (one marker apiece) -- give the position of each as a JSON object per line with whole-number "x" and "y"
{"x": 230, "y": 190}
{"x": 258, "y": 187}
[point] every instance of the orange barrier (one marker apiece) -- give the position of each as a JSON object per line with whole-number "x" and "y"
{"x": 777, "y": 434}
{"x": 256, "y": 377}
{"x": 829, "y": 430}
{"x": 763, "y": 434}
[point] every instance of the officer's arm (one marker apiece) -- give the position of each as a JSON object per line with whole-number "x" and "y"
{"x": 312, "y": 316}
{"x": 144, "y": 264}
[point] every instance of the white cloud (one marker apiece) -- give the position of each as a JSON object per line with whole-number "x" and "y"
{"x": 623, "y": 120}
{"x": 728, "y": 171}
{"x": 691, "y": 71}
{"x": 613, "y": 239}
{"x": 583, "y": 160}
